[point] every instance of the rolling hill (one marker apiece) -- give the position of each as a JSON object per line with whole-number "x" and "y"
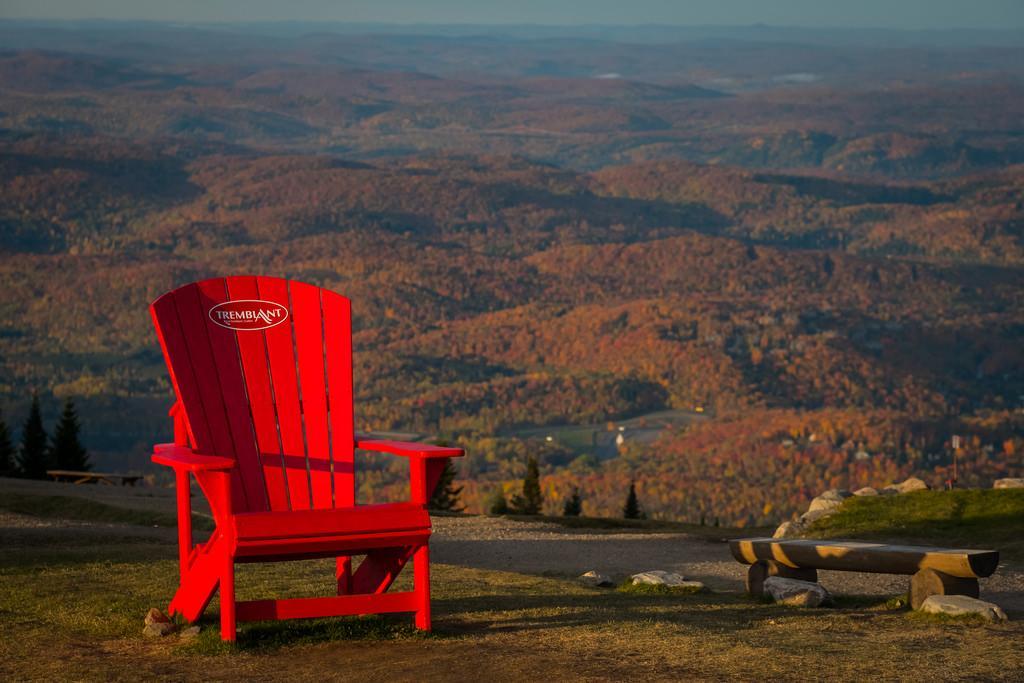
{"x": 828, "y": 268}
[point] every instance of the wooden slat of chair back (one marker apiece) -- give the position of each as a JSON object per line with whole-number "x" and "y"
{"x": 263, "y": 370}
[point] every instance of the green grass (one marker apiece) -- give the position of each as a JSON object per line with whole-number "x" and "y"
{"x": 975, "y": 518}
{"x": 631, "y": 588}
{"x": 85, "y": 510}
{"x": 874, "y": 602}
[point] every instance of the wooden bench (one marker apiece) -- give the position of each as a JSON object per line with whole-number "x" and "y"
{"x": 94, "y": 477}
{"x": 933, "y": 571}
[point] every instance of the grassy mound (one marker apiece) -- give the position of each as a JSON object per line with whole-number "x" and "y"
{"x": 85, "y": 510}
{"x": 979, "y": 518}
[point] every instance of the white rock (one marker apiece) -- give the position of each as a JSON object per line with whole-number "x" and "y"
{"x": 809, "y": 518}
{"x": 1008, "y": 483}
{"x": 820, "y": 504}
{"x": 795, "y": 593}
{"x": 657, "y": 577}
{"x": 596, "y": 578}
{"x": 912, "y": 484}
{"x": 695, "y": 586}
{"x": 960, "y": 605}
{"x": 832, "y": 498}
{"x": 866, "y": 491}
{"x": 788, "y": 529}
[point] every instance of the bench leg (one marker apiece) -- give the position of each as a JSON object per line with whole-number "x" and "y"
{"x": 762, "y": 569}
{"x": 928, "y": 582}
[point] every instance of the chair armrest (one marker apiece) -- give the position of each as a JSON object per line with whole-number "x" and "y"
{"x": 407, "y": 449}
{"x": 181, "y": 457}
{"x": 426, "y": 462}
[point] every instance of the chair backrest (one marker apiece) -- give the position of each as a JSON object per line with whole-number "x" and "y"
{"x": 263, "y": 370}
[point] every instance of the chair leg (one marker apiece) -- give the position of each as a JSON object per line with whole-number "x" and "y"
{"x": 227, "y": 600}
{"x": 343, "y": 574}
{"x": 201, "y": 581}
{"x": 421, "y": 584}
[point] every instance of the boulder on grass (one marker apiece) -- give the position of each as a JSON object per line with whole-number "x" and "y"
{"x": 596, "y": 579}
{"x": 796, "y": 593}
{"x": 809, "y": 518}
{"x": 962, "y": 605}
{"x": 155, "y": 616}
{"x": 829, "y": 500}
{"x": 656, "y": 577}
{"x": 866, "y": 491}
{"x": 788, "y": 529}
{"x": 157, "y": 624}
{"x": 1008, "y": 483}
{"x": 912, "y": 484}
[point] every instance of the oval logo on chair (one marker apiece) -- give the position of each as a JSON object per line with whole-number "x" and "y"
{"x": 248, "y": 314}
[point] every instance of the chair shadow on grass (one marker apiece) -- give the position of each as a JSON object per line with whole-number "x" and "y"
{"x": 517, "y": 613}
{"x": 272, "y": 635}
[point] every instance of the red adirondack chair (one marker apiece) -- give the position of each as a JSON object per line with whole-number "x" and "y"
{"x": 262, "y": 372}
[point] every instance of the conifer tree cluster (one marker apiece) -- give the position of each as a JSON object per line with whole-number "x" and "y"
{"x": 37, "y": 452}
{"x": 496, "y": 503}
{"x": 446, "y": 494}
{"x": 530, "y": 501}
{"x": 8, "y": 467}
{"x": 573, "y": 504}
{"x": 66, "y": 449}
{"x": 632, "y": 510}
{"x": 32, "y": 455}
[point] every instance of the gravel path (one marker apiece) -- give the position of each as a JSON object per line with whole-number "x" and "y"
{"x": 535, "y": 548}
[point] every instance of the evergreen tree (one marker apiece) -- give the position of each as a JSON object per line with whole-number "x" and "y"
{"x": 573, "y": 505}
{"x": 446, "y": 495}
{"x": 7, "y": 464}
{"x": 66, "y": 450}
{"x": 32, "y": 454}
{"x": 530, "y": 502}
{"x": 496, "y": 503}
{"x": 631, "y": 510}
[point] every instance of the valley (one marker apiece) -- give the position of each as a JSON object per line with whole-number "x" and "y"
{"x": 830, "y": 267}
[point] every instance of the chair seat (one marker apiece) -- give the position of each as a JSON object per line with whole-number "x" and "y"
{"x": 321, "y": 533}
{"x": 357, "y": 520}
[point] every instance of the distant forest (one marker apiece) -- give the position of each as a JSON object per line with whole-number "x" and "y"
{"x": 817, "y": 248}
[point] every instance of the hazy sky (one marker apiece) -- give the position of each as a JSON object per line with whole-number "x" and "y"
{"x": 910, "y": 14}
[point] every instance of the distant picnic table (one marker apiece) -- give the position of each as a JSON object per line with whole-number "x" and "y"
{"x": 110, "y": 478}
